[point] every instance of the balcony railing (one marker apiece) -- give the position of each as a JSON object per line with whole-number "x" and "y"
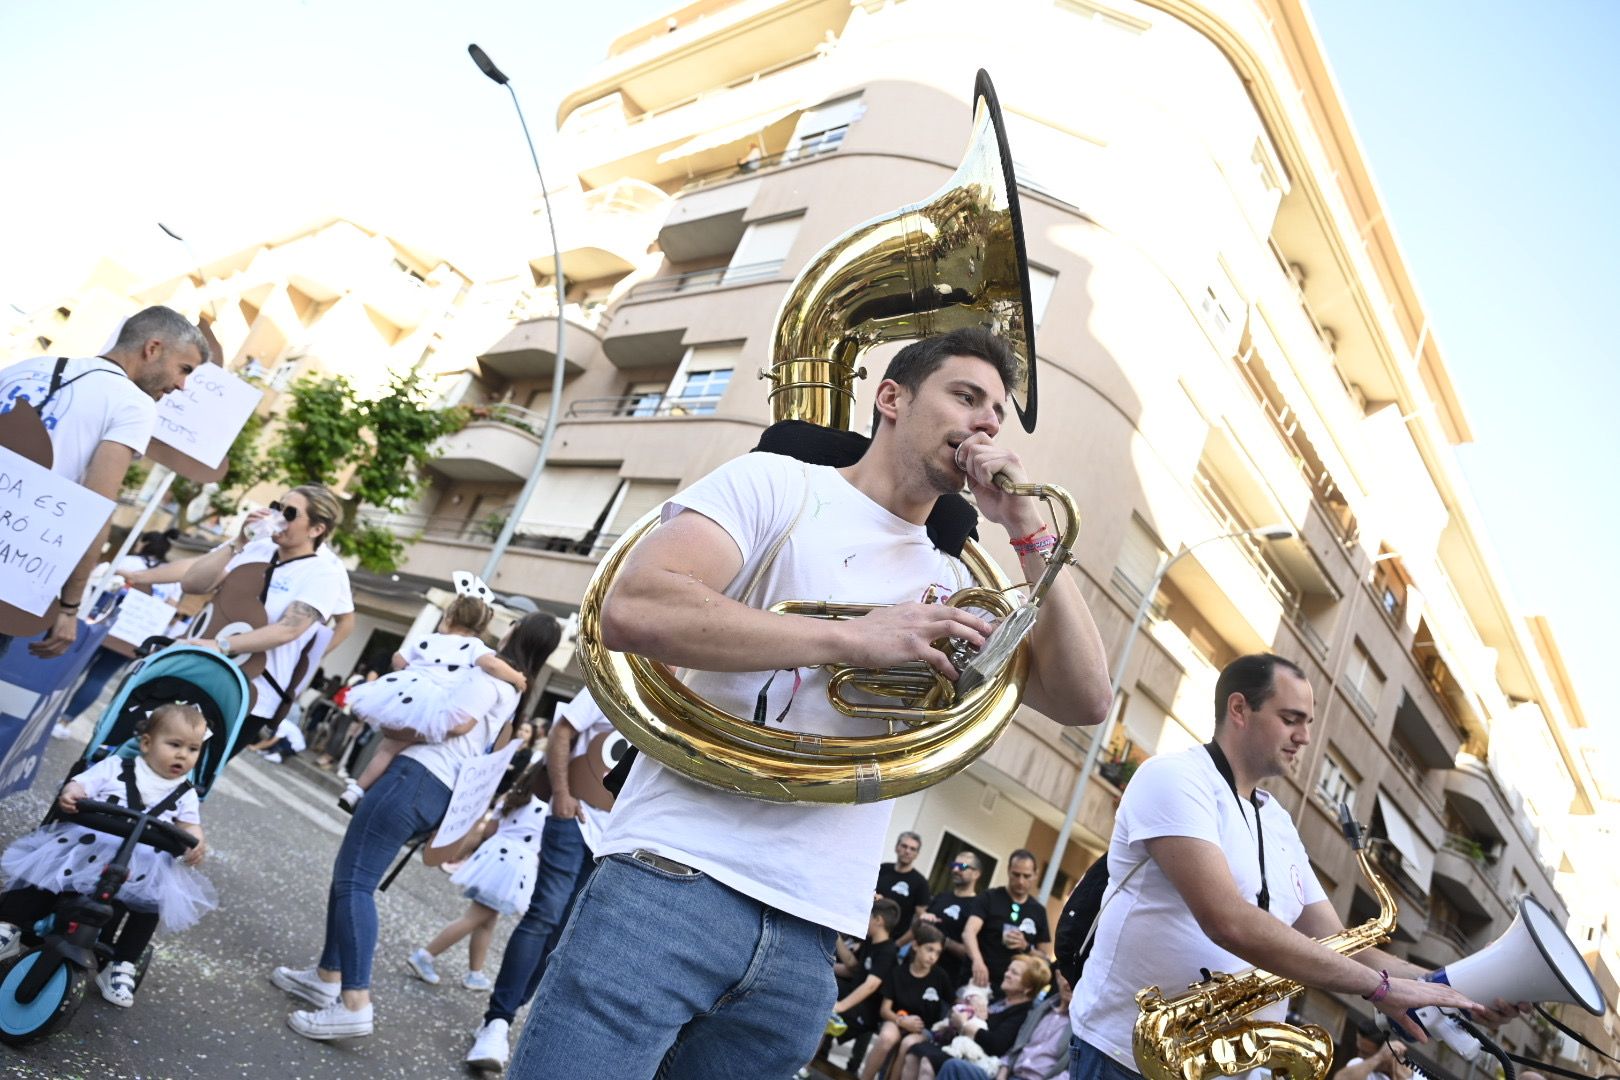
{"x": 826, "y": 144}
{"x": 535, "y": 535}
{"x": 632, "y": 406}
{"x": 502, "y": 412}
{"x": 1450, "y": 933}
{"x": 707, "y": 279}
{"x": 738, "y": 83}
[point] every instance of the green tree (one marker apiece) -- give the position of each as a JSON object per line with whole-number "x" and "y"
{"x": 387, "y": 440}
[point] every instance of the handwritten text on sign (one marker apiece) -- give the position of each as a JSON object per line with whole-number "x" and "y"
{"x": 475, "y": 786}
{"x": 203, "y": 420}
{"x": 46, "y": 524}
{"x": 139, "y": 617}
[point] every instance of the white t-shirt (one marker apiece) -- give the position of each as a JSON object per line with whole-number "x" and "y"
{"x": 583, "y": 715}
{"x": 811, "y": 860}
{"x": 1146, "y": 935}
{"x": 104, "y": 782}
{"x": 101, "y": 406}
{"x": 493, "y": 703}
{"x": 288, "y": 729}
{"x": 311, "y": 580}
{"x": 345, "y": 601}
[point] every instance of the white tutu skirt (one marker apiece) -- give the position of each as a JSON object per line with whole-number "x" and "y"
{"x": 422, "y": 700}
{"x": 500, "y": 874}
{"x": 63, "y": 857}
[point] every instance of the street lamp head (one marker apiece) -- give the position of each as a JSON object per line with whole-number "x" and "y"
{"x": 1273, "y": 532}
{"x": 171, "y": 233}
{"x": 486, "y": 65}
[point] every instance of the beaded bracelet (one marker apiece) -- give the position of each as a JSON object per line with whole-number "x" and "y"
{"x": 1381, "y": 990}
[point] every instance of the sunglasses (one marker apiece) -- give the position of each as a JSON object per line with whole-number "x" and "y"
{"x": 288, "y": 512}
{"x": 963, "y": 866}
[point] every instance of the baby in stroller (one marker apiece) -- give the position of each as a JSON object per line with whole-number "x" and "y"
{"x": 61, "y": 857}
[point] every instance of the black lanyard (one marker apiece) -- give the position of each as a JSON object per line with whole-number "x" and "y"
{"x": 1224, "y": 767}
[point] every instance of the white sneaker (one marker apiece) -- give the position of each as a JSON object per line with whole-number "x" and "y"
{"x": 336, "y": 1021}
{"x": 489, "y": 1049}
{"x": 61, "y": 731}
{"x": 306, "y": 985}
{"x": 351, "y": 796}
{"x": 421, "y": 964}
{"x": 10, "y": 940}
{"x": 477, "y": 980}
{"x": 117, "y": 983}
{"x": 271, "y": 756}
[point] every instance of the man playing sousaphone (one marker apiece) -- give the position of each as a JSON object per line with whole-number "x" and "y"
{"x": 726, "y": 908}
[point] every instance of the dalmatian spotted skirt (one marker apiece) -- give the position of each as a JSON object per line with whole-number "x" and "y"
{"x": 501, "y": 872}
{"x": 63, "y": 857}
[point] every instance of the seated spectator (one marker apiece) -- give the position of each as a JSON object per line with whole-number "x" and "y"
{"x": 285, "y": 742}
{"x": 1041, "y": 1050}
{"x": 862, "y": 971}
{"x": 1376, "y": 1059}
{"x": 994, "y": 1032}
{"x": 914, "y": 998}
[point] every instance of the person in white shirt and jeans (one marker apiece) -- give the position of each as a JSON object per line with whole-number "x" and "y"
{"x": 727, "y": 908}
{"x": 100, "y": 412}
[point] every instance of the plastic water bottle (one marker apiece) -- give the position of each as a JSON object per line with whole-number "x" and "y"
{"x": 270, "y": 525}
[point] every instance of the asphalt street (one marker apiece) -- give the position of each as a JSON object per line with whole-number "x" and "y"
{"x": 206, "y": 1008}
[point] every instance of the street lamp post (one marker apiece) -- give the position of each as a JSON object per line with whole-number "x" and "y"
{"x": 1100, "y": 736}
{"x": 496, "y": 75}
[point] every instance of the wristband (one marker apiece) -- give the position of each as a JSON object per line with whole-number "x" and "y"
{"x": 67, "y": 607}
{"x": 1381, "y": 990}
{"x": 1038, "y": 546}
{"x": 1026, "y": 539}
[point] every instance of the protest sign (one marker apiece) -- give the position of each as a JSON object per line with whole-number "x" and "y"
{"x": 141, "y": 616}
{"x": 475, "y": 786}
{"x": 200, "y": 422}
{"x": 47, "y": 523}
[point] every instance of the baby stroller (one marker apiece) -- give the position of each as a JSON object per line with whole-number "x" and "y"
{"x": 43, "y": 986}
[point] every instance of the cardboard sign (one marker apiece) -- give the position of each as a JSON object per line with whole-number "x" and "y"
{"x": 46, "y": 525}
{"x": 475, "y": 787}
{"x": 141, "y": 616}
{"x": 201, "y": 421}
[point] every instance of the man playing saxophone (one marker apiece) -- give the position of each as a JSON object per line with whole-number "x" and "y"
{"x": 704, "y": 940}
{"x": 1208, "y": 874}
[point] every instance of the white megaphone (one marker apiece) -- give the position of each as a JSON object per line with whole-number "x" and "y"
{"x": 1534, "y": 960}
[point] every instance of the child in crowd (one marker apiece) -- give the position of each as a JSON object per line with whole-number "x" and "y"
{"x": 862, "y": 971}
{"x": 497, "y": 880}
{"x": 418, "y": 702}
{"x": 914, "y": 998}
{"x": 66, "y": 858}
{"x": 285, "y": 742}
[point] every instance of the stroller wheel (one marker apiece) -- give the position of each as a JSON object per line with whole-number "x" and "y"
{"x": 141, "y": 965}
{"x": 53, "y": 1007}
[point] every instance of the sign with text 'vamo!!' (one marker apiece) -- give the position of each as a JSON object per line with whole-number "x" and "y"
{"x": 203, "y": 420}
{"x": 46, "y": 524}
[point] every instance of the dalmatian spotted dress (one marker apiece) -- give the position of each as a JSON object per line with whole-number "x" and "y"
{"x": 422, "y": 696}
{"x": 501, "y": 872}
{"x": 64, "y": 857}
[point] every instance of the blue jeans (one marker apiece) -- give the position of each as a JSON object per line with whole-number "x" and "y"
{"x": 1086, "y": 1062}
{"x": 565, "y": 863}
{"x": 678, "y": 976}
{"x": 103, "y": 666}
{"x": 405, "y": 800}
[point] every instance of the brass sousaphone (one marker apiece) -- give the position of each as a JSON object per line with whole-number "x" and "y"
{"x": 953, "y": 261}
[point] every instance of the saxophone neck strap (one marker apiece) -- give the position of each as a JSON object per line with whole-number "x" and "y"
{"x": 1224, "y": 767}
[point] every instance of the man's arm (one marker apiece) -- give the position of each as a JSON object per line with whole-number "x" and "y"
{"x": 669, "y": 604}
{"x": 105, "y": 475}
{"x": 970, "y": 941}
{"x": 1068, "y": 679}
{"x": 1199, "y": 872}
{"x": 559, "y": 749}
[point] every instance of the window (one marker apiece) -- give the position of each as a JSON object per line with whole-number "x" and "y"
{"x": 821, "y": 130}
{"x": 636, "y": 498}
{"x": 1139, "y": 560}
{"x": 702, "y": 379}
{"x": 1041, "y": 284}
{"x": 64, "y": 313}
{"x": 1362, "y": 679}
{"x": 1334, "y": 782}
{"x": 763, "y": 249}
{"x": 642, "y": 398}
{"x": 568, "y": 504}
{"x": 44, "y": 342}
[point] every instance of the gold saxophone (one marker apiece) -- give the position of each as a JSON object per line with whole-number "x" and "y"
{"x": 1202, "y": 1032}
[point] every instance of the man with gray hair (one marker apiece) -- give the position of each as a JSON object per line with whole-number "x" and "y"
{"x": 901, "y": 881}
{"x": 100, "y": 412}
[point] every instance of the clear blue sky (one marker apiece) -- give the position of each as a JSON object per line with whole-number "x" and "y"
{"x": 1490, "y": 129}
{"x": 1488, "y": 125}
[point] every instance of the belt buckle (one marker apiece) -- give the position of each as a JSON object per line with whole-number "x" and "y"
{"x": 659, "y": 862}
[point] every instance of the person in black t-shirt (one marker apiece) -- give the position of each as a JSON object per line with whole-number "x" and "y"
{"x": 949, "y": 912}
{"x": 901, "y": 882}
{"x": 862, "y": 971}
{"x": 915, "y": 997}
{"x": 1007, "y": 922}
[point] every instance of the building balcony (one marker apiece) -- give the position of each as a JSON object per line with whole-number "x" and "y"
{"x": 601, "y": 233}
{"x": 650, "y": 434}
{"x": 1467, "y": 880}
{"x": 437, "y": 548}
{"x": 403, "y": 300}
{"x": 652, "y": 325}
{"x": 1474, "y": 795}
{"x": 1425, "y": 730}
{"x": 500, "y": 444}
{"x": 529, "y": 349}
{"x": 707, "y": 224}
{"x": 1441, "y": 942}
